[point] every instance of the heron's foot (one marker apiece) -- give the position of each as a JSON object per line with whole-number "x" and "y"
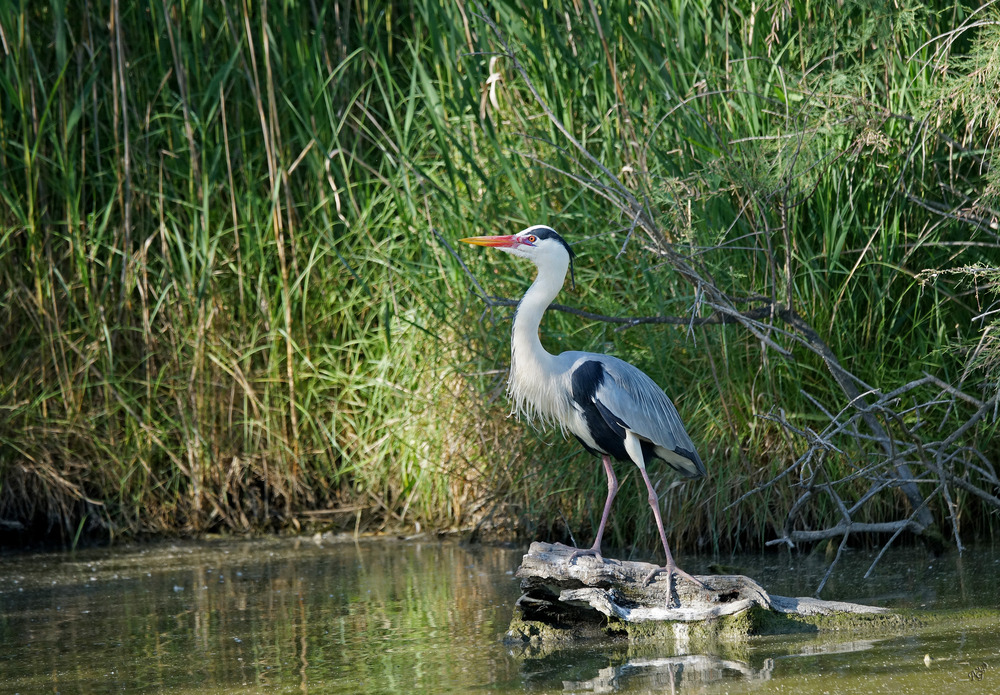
{"x": 594, "y": 550}
{"x": 581, "y": 552}
{"x": 673, "y": 570}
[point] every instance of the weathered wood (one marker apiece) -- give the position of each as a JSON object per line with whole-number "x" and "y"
{"x": 567, "y": 598}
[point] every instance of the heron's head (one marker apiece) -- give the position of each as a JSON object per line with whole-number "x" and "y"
{"x": 538, "y": 243}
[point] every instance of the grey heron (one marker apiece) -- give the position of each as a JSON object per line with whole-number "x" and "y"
{"x": 614, "y": 409}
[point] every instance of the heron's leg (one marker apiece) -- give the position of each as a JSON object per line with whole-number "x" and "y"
{"x": 670, "y": 567}
{"x": 595, "y": 549}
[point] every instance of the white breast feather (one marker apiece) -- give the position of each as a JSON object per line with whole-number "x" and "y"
{"x": 540, "y": 398}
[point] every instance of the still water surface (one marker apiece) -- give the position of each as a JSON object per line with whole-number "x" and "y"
{"x": 383, "y": 616}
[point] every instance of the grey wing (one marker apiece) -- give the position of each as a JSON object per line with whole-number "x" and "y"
{"x": 638, "y": 404}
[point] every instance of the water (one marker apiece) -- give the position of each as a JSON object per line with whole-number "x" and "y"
{"x": 386, "y": 616}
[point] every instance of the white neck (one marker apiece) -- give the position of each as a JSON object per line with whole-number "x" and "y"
{"x": 533, "y": 378}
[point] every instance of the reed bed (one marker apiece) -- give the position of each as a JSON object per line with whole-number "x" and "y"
{"x": 230, "y": 300}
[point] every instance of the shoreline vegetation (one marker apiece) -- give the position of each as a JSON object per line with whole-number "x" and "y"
{"x": 230, "y": 300}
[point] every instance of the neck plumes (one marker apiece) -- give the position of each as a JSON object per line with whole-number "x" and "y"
{"x": 534, "y": 379}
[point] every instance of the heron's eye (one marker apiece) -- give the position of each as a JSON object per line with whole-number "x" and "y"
{"x": 532, "y": 239}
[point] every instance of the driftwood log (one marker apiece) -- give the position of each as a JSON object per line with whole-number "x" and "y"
{"x": 587, "y": 598}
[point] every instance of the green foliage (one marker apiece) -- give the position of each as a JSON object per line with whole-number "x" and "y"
{"x": 224, "y": 307}
{"x": 211, "y": 265}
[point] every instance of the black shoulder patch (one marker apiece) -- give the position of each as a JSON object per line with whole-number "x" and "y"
{"x": 605, "y": 430}
{"x": 586, "y": 379}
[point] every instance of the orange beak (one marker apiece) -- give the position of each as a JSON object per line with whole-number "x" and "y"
{"x": 497, "y": 242}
